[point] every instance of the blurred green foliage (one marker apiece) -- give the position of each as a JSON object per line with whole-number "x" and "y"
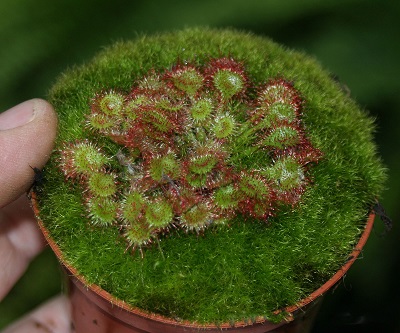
{"x": 356, "y": 39}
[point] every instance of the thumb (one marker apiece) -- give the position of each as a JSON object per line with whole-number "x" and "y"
{"x": 27, "y": 133}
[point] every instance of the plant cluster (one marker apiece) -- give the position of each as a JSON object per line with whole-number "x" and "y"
{"x": 189, "y": 140}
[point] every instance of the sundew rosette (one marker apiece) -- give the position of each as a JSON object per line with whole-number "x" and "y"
{"x": 185, "y": 137}
{"x": 226, "y": 176}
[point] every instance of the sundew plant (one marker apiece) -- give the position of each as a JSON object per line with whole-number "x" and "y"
{"x": 206, "y": 175}
{"x": 188, "y": 137}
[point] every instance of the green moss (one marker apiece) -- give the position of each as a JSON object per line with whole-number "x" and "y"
{"x": 244, "y": 268}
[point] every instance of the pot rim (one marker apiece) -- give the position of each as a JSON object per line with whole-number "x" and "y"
{"x": 290, "y": 310}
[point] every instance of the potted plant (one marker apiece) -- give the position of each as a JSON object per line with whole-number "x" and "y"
{"x": 205, "y": 180}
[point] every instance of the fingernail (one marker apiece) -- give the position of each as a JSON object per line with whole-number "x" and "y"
{"x": 17, "y": 116}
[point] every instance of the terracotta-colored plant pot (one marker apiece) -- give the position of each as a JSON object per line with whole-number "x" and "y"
{"x": 95, "y": 310}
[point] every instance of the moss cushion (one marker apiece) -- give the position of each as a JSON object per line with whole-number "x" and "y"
{"x": 287, "y": 206}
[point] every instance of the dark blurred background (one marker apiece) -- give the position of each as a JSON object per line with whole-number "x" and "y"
{"x": 358, "y": 40}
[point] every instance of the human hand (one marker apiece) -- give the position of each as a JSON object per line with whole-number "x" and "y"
{"x": 27, "y": 133}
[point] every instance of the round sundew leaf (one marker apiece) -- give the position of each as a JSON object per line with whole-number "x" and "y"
{"x": 282, "y": 137}
{"x": 87, "y": 158}
{"x": 196, "y": 180}
{"x": 202, "y": 164}
{"x": 197, "y": 217}
{"x": 189, "y": 81}
{"x": 159, "y": 213}
{"x": 102, "y": 210}
{"x": 277, "y": 91}
{"x": 158, "y": 120}
{"x": 111, "y": 103}
{"x": 201, "y": 109}
{"x": 279, "y": 111}
{"x": 132, "y": 105}
{"x": 157, "y": 168}
{"x": 228, "y": 83}
{"x": 261, "y": 208}
{"x": 224, "y": 126}
{"x": 276, "y": 113}
{"x": 133, "y": 206}
{"x": 100, "y": 121}
{"x": 165, "y": 103}
{"x": 226, "y": 197}
{"x": 151, "y": 83}
{"x": 287, "y": 173}
{"x": 164, "y": 168}
{"x": 253, "y": 186}
{"x": 138, "y": 233}
{"x": 102, "y": 184}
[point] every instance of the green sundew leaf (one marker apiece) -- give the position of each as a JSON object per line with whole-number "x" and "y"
{"x": 202, "y": 164}
{"x": 276, "y": 113}
{"x": 287, "y": 173}
{"x": 159, "y": 213}
{"x": 158, "y": 120}
{"x": 100, "y": 121}
{"x": 111, "y": 103}
{"x": 102, "y": 184}
{"x": 224, "y": 126}
{"x": 279, "y": 111}
{"x": 133, "y": 206}
{"x": 196, "y": 180}
{"x": 87, "y": 158}
{"x": 197, "y": 217}
{"x": 228, "y": 83}
{"x": 189, "y": 81}
{"x": 282, "y": 137}
{"x": 131, "y": 106}
{"x": 253, "y": 186}
{"x": 226, "y": 197}
{"x": 201, "y": 109}
{"x": 165, "y": 166}
{"x": 102, "y": 210}
{"x": 138, "y": 233}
